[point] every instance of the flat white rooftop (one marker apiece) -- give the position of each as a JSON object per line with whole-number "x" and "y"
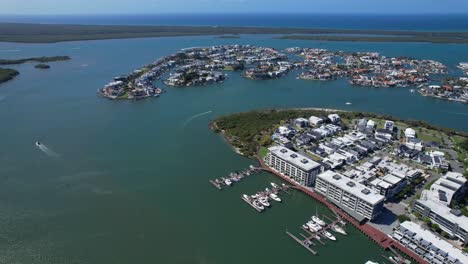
{"x": 444, "y": 211}
{"x": 438, "y": 242}
{"x": 350, "y": 186}
{"x": 294, "y": 158}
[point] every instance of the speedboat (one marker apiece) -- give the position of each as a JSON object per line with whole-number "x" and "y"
{"x": 38, "y": 143}
{"x": 338, "y": 229}
{"x": 228, "y": 182}
{"x": 275, "y": 197}
{"x": 329, "y": 236}
{"x": 318, "y": 220}
{"x": 274, "y": 185}
{"x": 246, "y": 196}
{"x": 348, "y": 103}
{"x": 305, "y": 226}
{"x": 258, "y": 205}
{"x": 264, "y": 201}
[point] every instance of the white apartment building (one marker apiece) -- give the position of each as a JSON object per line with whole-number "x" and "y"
{"x": 351, "y": 196}
{"x": 292, "y": 164}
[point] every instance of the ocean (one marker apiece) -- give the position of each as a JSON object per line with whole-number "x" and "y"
{"x": 429, "y": 22}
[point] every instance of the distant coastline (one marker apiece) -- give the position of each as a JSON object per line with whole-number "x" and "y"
{"x": 50, "y": 33}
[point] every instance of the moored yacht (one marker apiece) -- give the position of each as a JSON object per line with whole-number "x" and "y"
{"x": 228, "y": 182}
{"x": 338, "y": 229}
{"x": 313, "y": 226}
{"x": 264, "y": 201}
{"x": 318, "y": 220}
{"x": 329, "y": 236}
{"x": 258, "y": 205}
{"x": 275, "y": 197}
{"x": 274, "y": 185}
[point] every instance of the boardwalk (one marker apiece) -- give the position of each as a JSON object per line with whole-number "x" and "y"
{"x": 376, "y": 235}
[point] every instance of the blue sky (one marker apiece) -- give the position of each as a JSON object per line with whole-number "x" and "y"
{"x": 231, "y": 6}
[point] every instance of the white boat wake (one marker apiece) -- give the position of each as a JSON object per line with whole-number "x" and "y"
{"x": 15, "y": 50}
{"x": 195, "y": 116}
{"x": 49, "y": 152}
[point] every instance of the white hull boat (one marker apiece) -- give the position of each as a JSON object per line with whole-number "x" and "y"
{"x": 228, "y": 182}
{"x": 338, "y": 229}
{"x": 329, "y": 236}
{"x": 275, "y": 197}
{"x": 318, "y": 221}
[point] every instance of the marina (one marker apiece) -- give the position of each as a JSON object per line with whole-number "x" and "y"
{"x": 261, "y": 200}
{"x": 317, "y": 231}
{"x": 233, "y": 177}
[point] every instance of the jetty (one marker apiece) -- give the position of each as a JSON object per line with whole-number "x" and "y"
{"x": 316, "y": 235}
{"x": 261, "y": 200}
{"x": 233, "y": 177}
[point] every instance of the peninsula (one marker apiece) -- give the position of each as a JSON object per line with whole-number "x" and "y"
{"x": 361, "y": 165}
{"x": 7, "y": 74}
{"x": 48, "y": 33}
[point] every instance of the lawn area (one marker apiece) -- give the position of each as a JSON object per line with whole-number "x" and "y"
{"x": 428, "y": 137}
{"x": 263, "y": 152}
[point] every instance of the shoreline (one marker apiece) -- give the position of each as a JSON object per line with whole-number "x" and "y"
{"x": 52, "y": 33}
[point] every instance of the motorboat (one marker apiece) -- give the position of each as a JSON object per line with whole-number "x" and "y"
{"x": 274, "y": 185}
{"x": 38, "y": 143}
{"x": 258, "y": 205}
{"x": 348, "y": 103}
{"x": 228, "y": 182}
{"x": 318, "y": 220}
{"x": 264, "y": 201}
{"x": 275, "y": 197}
{"x": 267, "y": 190}
{"x": 313, "y": 226}
{"x": 305, "y": 226}
{"x": 329, "y": 236}
{"x": 246, "y": 196}
{"x": 338, "y": 229}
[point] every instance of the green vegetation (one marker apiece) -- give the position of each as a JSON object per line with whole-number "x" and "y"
{"x": 263, "y": 152}
{"x": 408, "y": 38}
{"x": 7, "y": 74}
{"x": 402, "y": 218}
{"x": 47, "y": 33}
{"x": 461, "y": 146}
{"x": 42, "y": 66}
{"x": 229, "y": 37}
{"x": 250, "y": 130}
{"x": 35, "y": 59}
{"x": 428, "y": 137}
{"x": 428, "y": 186}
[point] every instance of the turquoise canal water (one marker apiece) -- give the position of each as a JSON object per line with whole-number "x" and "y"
{"x": 129, "y": 183}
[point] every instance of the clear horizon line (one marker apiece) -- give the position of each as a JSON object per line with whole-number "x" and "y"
{"x": 232, "y": 13}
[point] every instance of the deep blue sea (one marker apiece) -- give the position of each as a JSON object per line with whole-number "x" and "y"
{"x": 432, "y": 22}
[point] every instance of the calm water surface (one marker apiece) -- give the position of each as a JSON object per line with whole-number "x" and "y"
{"x": 131, "y": 182}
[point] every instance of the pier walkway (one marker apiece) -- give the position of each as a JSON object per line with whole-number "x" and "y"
{"x": 376, "y": 235}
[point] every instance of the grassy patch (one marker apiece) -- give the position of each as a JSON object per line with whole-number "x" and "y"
{"x": 428, "y": 137}
{"x": 263, "y": 152}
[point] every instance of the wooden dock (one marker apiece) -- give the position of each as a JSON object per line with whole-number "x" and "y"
{"x": 302, "y": 242}
{"x": 234, "y": 177}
